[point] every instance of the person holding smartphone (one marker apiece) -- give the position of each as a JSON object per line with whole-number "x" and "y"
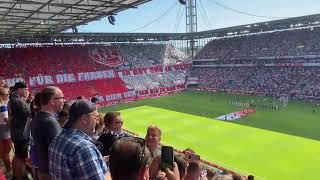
{"x": 130, "y": 159}
{"x": 163, "y": 167}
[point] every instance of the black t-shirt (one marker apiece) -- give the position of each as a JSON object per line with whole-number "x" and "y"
{"x": 107, "y": 139}
{"x": 19, "y": 113}
{"x": 44, "y": 127}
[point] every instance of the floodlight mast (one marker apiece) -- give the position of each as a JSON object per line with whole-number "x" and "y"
{"x": 191, "y": 25}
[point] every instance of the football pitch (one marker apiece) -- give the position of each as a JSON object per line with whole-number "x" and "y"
{"x": 268, "y": 144}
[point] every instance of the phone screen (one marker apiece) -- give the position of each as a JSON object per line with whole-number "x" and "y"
{"x": 166, "y": 157}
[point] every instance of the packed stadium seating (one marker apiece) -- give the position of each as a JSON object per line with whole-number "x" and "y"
{"x": 283, "y": 43}
{"x": 278, "y": 63}
{"x": 263, "y": 79}
{"x": 89, "y": 70}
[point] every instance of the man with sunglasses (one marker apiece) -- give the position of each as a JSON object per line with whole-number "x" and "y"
{"x": 45, "y": 126}
{"x": 112, "y": 132}
{"x": 72, "y": 155}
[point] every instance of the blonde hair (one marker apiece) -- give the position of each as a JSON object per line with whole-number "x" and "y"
{"x": 152, "y": 128}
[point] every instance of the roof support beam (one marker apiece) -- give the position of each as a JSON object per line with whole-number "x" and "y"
{"x": 39, "y": 17}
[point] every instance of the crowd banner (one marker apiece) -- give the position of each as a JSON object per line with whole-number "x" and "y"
{"x": 61, "y": 78}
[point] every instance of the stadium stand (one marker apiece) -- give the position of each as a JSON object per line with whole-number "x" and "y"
{"x": 280, "y": 63}
{"x": 277, "y": 63}
{"x": 275, "y": 44}
{"x": 96, "y": 70}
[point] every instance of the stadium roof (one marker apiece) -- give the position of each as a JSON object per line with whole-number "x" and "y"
{"x": 45, "y": 17}
{"x": 289, "y": 23}
{"x": 29, "y": 21}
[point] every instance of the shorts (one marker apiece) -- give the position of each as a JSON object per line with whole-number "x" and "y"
{"x": 5, "y": 147}
{"x": 21, "y": 148}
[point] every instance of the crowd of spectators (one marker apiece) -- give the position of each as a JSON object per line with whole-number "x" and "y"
{"x": 269, "y": 80}
{"x": 259, "y": 61}
{"x": 147, "y": 55}
{"x": 33, "y": 61}
{"x": 67, "y": 148}
{"x": 286, "y": 50}
{"x": 151, "y": 81}
{"x": 275, "y": 44}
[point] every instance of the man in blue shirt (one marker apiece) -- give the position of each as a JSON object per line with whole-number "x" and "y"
{"x": 72, "y": 155}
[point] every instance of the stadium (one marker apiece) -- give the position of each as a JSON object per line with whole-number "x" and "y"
{"x": 245, "y": 99}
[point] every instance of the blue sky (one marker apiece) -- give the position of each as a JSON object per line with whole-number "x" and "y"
{"x": 210, "y": 15}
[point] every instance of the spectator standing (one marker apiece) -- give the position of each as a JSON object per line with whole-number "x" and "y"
{"x": 182, "y": 166}
{"x": 72, "y": 155}
{"x": 35, "y": 108}
{"x": 211, "y": 174}
{"x": 5, "y": 138}
{"x": 112, "y": 132}
{"x": 94, "y": 100}
{"x": 45, "y": 127}
{"x": 19, "y": 121}
{"x": 153, "y": 138}
{"x": 193, "y": 171}
{"x": 129, "y": 159}
{"x": 64, "y": 114}
{"x": 98, "y": 129}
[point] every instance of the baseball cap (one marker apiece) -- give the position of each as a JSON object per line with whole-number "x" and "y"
{"x": 19, "y": 85}
{"x": 79, "y": 108}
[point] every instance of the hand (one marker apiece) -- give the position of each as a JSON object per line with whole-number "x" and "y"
{"x": 174, "y": 174}
{"x": 161, "y": 176}
{"x": 108, "y": 176}
{"x": 106, "y": 159}
{"x": 154, "y": 167}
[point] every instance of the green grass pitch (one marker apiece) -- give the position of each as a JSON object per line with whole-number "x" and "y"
{"x": 271, "y": 145}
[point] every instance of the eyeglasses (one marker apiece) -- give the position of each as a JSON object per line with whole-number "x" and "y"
{"x": 142, "y": 143}
{"x": 59, "y": 98}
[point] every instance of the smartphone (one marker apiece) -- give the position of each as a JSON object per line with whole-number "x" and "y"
{"x": 166, "y": 157}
